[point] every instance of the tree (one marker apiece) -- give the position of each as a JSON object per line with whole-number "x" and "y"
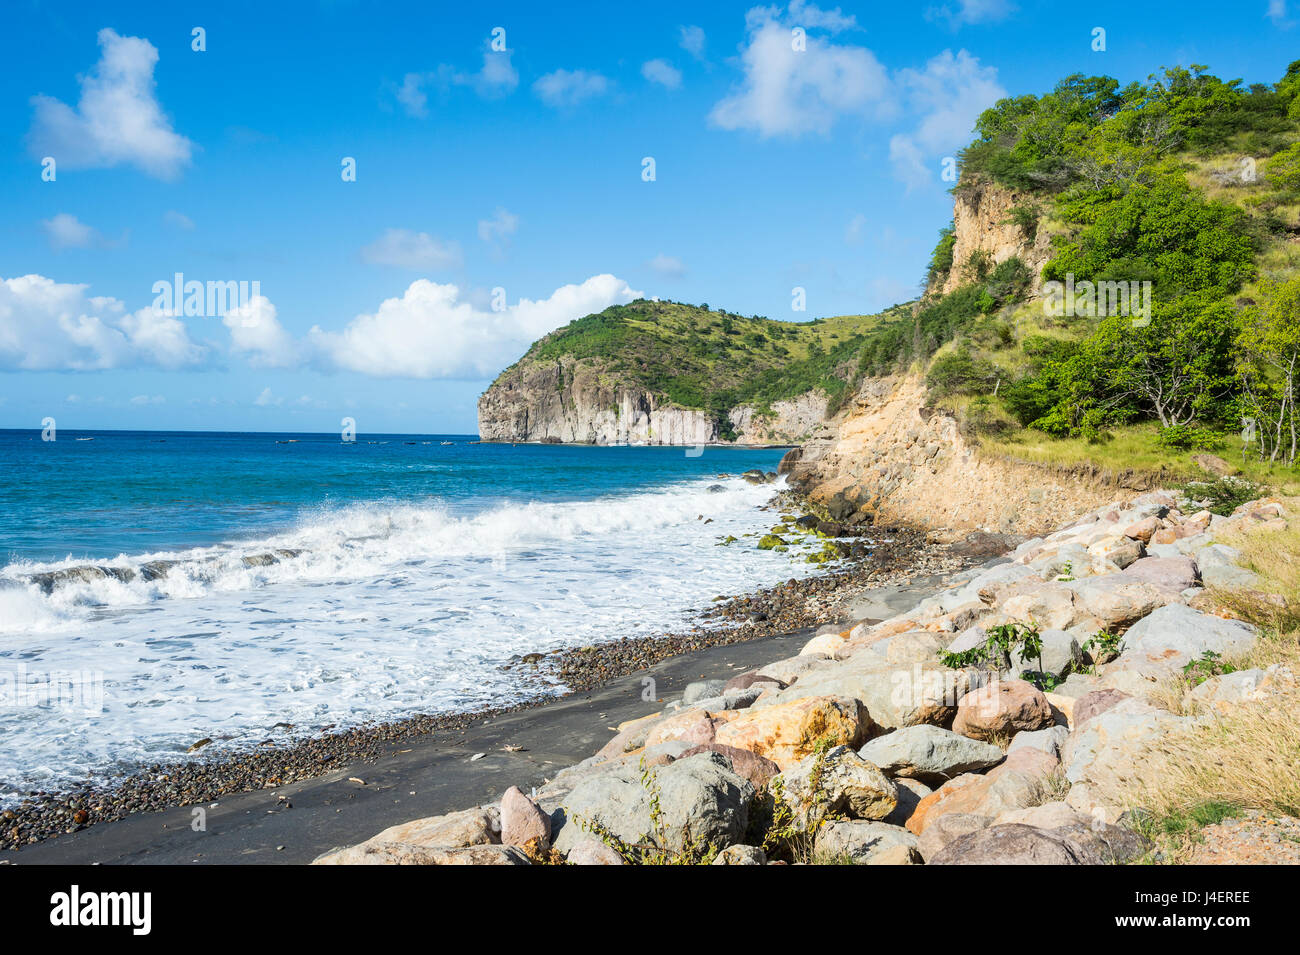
{"x": 1269, "y": 368}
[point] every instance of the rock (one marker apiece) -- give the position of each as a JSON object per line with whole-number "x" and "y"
{"x": 1112, "y": 745}
{"x": 1227, "y": 577}
{"x": 1050, "y": 815}
{"x": 413, "y": 843}
{"x": 1143, "y": 529}
{"x": 789, "y": 671}
{"x": 825, "y": 644}
{"x": 1049, "y": 605}
{"x": 910, "y": 794}
{"x": 1003, "y": 708}
{"x": 593, "y": 852}
{"x": 523, "y": 824}
{"x": 1060, "y": 654}
{"x": 1223, "y": 693}
{"x": 1170, "y": 574}
{"x": 693, "y": 727}
{"x": 1047, "y": 741}
{"x": 1011, "y": 844}
{"x": 759, "y": 770}
{"x": 631, "y": 736}
{"x": 1094, "y": 704}
{"x": 948, "y": 827}
{"x": 787, "y": 732}
{"x": 1119, "y": 550}
{"x": 1116, "y": 600}
{"x": 1175, "y": 635}
{"x": 702, "y": 688}
{"x": 398, "y": 853}
{"x": 741, "y": 855}
{"x": 753, "y": 678}
{"x": 702, "y": 801}
{"x": 929, "y": 753}
{"x": 837, "y": 781}
{"x": 867, "y": 843}
{"x": 1103, "y": 843}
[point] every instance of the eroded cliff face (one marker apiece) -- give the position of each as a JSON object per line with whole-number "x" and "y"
{"x": 581, "y": 402}
{"x": 982, "y": 223}
{"x": 889, "y": 458}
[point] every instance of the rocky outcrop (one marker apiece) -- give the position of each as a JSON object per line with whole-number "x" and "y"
{"x": 576, "y": 401}
{"x": 890, "y": 458}
{"x": 982, "y": 222}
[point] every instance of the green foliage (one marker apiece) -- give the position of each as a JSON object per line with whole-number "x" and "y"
{"x": 1186, "y": 437}
{"x": 941, "y": 258}
{"x": 1221, "y": 496}
{"x": 959, "y": 373}
{"x": 1001, "y": 643}
{"x": 1209, "y": 664}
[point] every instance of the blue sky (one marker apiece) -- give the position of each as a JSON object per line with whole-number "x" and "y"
{"x": 499, "y": 193}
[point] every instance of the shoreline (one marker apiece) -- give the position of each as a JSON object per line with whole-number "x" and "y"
{"x": 795, "y": 606}
{"x": 420, "y": 766}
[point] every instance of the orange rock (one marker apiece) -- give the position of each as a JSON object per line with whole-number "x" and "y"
{"x": 787, "y": 732}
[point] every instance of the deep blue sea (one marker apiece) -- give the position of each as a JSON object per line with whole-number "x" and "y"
{"x": 186, "y": 585}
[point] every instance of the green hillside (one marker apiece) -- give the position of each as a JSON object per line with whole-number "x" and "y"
{"x": 713, "y": 360}
{"x": 1188, "y": 182}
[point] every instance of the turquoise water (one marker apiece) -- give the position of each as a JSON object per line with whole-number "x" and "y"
{"x": 196, "y": 585}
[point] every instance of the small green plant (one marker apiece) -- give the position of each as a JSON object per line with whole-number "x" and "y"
{"x": 1103, "y": 646}
{"x": 1067, "y": 572}
{"x": 1208, "y": 665}
{"x": 1222, "y": 496}
{"x": 1001, "y": 643}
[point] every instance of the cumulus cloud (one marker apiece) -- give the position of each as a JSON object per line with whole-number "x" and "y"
{"x": 54, "y": 326}
{"x": 66, "y": 231}
{"x": 692, "y": 40}
{"x": 431, "y": 331}
{"x": 178, "y": 219}
{"x": 565, "y": 88}
{"x": 502, "y": 225}
{"x": 948, "y": 94}
{"x": 663, "y": 73}
{"x": 496, "y": 78}
{"x": 405, "y": 249}
{"x": 117, "y": 119}
{"x": 256, "y": 333}
{"x": 1277, "y": 13}
{"x": 789, "y": 92}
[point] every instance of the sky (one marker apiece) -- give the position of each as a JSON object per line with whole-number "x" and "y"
{"x": 403, "y": 196}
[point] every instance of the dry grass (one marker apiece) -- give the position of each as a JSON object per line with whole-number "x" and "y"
{"x": 1275, "y": 605}
{"x": 1053, "y": 787}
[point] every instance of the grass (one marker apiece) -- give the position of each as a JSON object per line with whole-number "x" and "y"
{"x": 1248, "y": 757}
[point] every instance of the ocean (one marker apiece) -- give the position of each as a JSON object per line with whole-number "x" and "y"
{"x": 240, "y": 581}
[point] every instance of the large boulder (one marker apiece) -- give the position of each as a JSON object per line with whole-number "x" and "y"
{"x": 867, "y": 843}
{"x": 1170, "y": 574}
{"x": 944, "y": 829}
{"x": 929, "y": 753}
{"x": 701, "y": 800}
{"x": 1116, "y": 600}
{"x": 836, "y": 782}
{"x": 399, "y": 853}
{"x": 787, "y": 732}
{"x": 1175, "y": 635}
{"x": 406, "y": 844}
{"x": 1011, "y": 844}
{"x": 593, "y": 852}
{"x": 524, "y": 824}
{"x": 1002, "y": 709}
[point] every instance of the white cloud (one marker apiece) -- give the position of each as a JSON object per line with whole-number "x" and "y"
{"x": 412, "y": 250}
{"x": 66, "y": 231}
{"x": 1277, "y": 13}
{"x": 692, "y": 40}
{"x": 853, "y": 231}
{"x": 267, "y": 400}
{"x": 178, "y": 219}
{"x": 971, "y": 12}
{"x": 148, "y": 400}
{"x": 495, "y": 79}
{"x": 118, "y": 118}
{"x": 256, "y": 332}
{"x": 668, "y": 265}
{"x": 663, "y": 73}
{"x": 564, "y": 88}
{"x": 53, "y": 326}
{"x": 432, "y": 332}
{"x": 789, "y": 92}
{"x": 502, "y": 225}
{"x": 948, "y": 95}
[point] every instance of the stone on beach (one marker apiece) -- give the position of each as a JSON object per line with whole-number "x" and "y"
{"x": 929, "y": 753}
{"x": 524, "y": 824}
{"x": 1003, "y": 708}
{"x": 867, "y": 843}
{"x": 787, "y": 732}
{"x": 838, "y": 781}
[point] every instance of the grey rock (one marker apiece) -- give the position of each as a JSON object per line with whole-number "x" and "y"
{"x": 929, "y": 753}
{"x": 1174, "y": 635}
{"x": 701, "y": 798}
{"x": 1048, "y": 741}
{"x": 741, "y": 855}
{"x": 701, "y": 689}
{"x": 866, "y": 842}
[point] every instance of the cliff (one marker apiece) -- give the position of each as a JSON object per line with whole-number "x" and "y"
{"x": 665, "y": 373}
{"x": 996, "y": 221}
